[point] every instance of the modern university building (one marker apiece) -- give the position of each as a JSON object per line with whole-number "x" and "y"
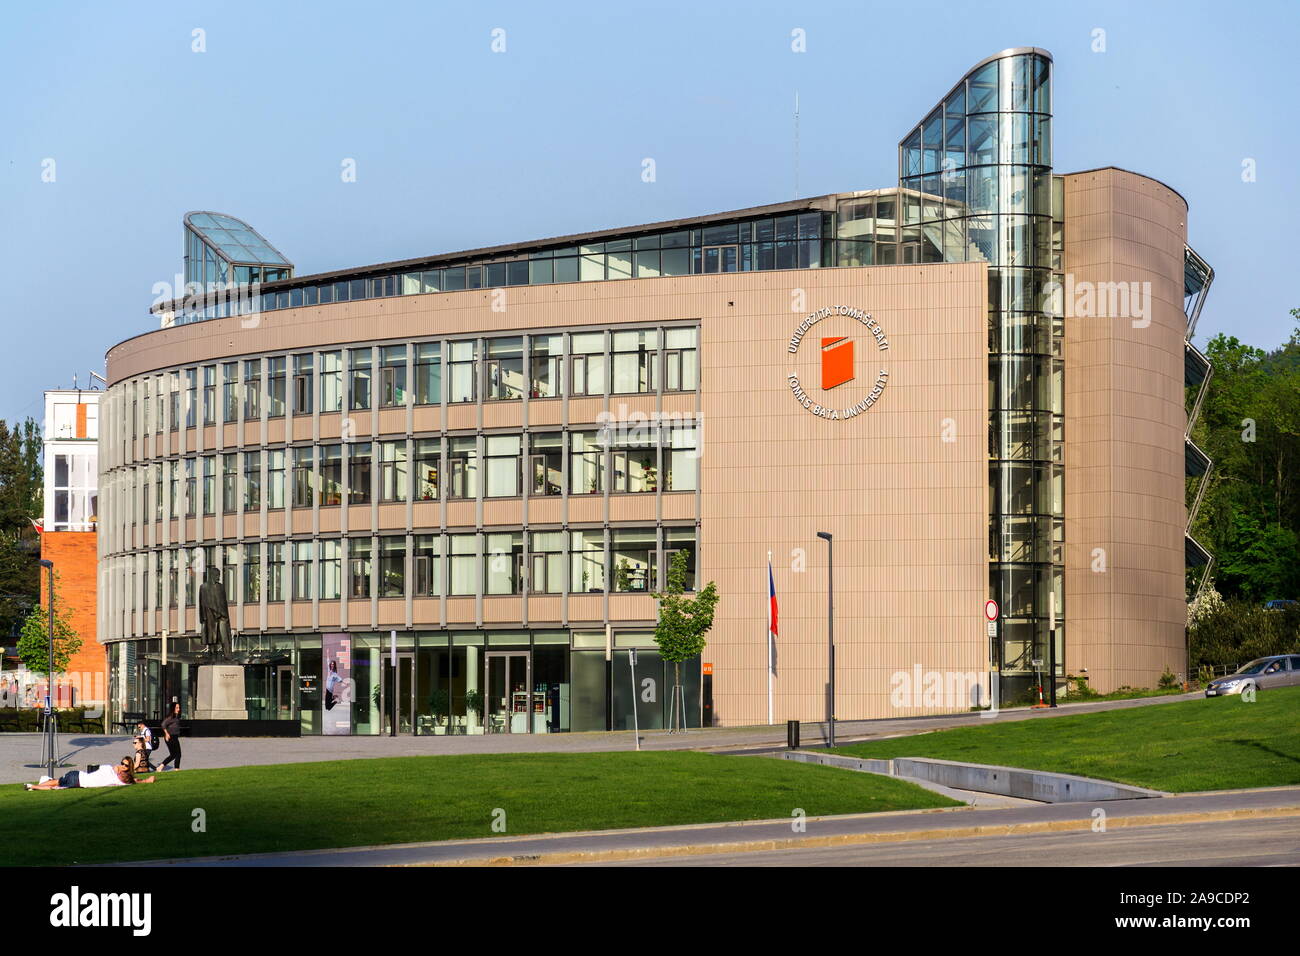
{"x": 975, "y": 380}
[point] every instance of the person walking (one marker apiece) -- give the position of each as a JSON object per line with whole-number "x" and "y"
{"x": 171, "y": 727}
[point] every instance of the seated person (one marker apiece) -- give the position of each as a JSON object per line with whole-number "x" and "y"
{"x": 118, "y": 775}
{"x": 143, "y": 746}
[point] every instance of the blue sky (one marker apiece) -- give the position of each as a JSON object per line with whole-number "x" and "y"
{"x": 458, "y": 147}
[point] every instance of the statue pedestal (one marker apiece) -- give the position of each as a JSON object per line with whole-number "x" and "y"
{"x": 221, "y": 693}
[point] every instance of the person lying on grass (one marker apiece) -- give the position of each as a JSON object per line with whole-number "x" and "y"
{"x": 119, "y": 775}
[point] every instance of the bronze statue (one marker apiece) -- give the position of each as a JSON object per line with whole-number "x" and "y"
{"x": 214, "y": 615}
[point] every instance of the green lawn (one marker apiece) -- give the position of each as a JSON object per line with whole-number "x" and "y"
{"x": 411, "y": 799}
{"x": 1208, "y": 744}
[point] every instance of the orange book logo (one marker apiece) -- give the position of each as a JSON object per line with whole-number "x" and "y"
{"x": 837, "y": 361}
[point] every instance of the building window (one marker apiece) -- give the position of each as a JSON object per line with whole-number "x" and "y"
{"x": 174, "y": 402}
{"x": 359, "y": 567}
{"x": 587, "y": 370}
{"x": 546, "y": 463}
{"x": 230, "y": 571}
{"x": 275, "y": 478}
{"x": 275, "y": 386}
{"x": 392, "y": 376}
{"x": 303, "y": 488}
{"x": 158, "y": 491}
{"x": 462, "y": 466}
{"x": 230, "y": 392}
{"x": 331, "y": 474}
{"x": 427, "y": 565}
{"x": 505, "y": 369}
{"x": 174, "y": 489}
{"x": 545, "y": 355}
{"x": 209, "y": 484}
{"x": 331, "y": 381}
{"x": 301, "y": 571}
{"x": 252, "y": 573}
{"x": 427, "y": 468}
{"x": 636, "y": 355}
{"x": 681, "y": 360}
{"x": 191, "y": 396}
{"x": 359, "y": 361}
{"x": 331, "y": 570}
{"x": 503, "y": 562}
{"x": 428, "y": 374}
{"x": 274, "y": 585}
{"x": 392, "y": 566}
{"x": 462, "y": 551}
{"x": 229, "y": 482}
{"x": 252, "y": 389}
{"x": 191, "y": 488}
{"x": 633, "y": 457}
{"x": 502, "y": 459}
{"x": 303, "y": 384}
{"x": 546, "y": 557}
{"x": 209, "y": 395}
{"x": 587, "y": 560}
{"x": 359, "y": 461}
{"x": 680, "y": 539}
{"x": 460, "y": 371}
{"x": 252, "y": 481}
{"x": 632, "y": 553}
{"x": 392, "y": 471}
{"x": 586, "y": 463}
{"x": 681, "y": 458}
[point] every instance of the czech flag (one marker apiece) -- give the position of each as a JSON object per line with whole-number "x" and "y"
{"x": 771, "y": 596}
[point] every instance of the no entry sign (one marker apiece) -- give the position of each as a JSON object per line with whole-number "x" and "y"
{"x": 991, "y": 609}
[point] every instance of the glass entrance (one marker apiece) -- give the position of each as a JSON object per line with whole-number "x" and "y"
{"x": 508, "y": 679}
{"x": 405, "y": 695}
{"x": 284, "y": 692}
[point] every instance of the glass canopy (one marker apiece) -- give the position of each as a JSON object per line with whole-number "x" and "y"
{"x": 223, "y": 249}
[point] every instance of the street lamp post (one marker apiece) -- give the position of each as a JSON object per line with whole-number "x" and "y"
{"x": 51, "y": 738}
{"x": 830, "y": 634}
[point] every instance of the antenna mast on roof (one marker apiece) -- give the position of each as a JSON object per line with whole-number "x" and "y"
{"x": 796, "y": 144}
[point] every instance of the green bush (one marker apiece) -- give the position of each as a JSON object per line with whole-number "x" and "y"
{"x": 1232, "y": 631}
{"x": 27, "y": 720}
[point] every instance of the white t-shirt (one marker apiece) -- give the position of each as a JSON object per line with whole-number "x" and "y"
{"x": 105, "y": 776}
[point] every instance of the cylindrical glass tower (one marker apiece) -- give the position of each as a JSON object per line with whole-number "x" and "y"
{"x": 976, "y": 178}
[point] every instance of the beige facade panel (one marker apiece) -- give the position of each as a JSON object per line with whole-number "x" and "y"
{"x": 1125, "y": 414}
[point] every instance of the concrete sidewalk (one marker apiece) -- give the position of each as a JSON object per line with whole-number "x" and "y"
{"x": 766, "y": 835}
{"x": 20, "y": 753}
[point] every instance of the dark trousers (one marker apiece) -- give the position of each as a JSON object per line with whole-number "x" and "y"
{"x": 173, "y": 752}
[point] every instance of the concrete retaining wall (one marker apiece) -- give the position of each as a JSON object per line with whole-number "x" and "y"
{"x": 982, "y": 778}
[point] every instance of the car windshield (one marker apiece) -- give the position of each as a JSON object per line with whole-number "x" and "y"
{"x": 1254, "y": 667}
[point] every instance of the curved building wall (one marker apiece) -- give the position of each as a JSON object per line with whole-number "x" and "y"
{"x": 1125, "y": 402}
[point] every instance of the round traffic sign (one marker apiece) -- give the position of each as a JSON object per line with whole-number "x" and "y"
{"x": 991, "y": 609}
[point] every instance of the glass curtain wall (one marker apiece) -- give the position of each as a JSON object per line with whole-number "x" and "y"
{"x": 976, "y": 184}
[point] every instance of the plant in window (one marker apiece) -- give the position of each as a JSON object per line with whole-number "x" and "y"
{"x": 439, "y": 706}
{"x": 474, "y": 703}
{"x": 651, "y": 474}
{"x": 681, "y": 629}
{"x": 623, "y": 575}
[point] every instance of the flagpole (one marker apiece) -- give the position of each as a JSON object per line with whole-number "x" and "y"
{"x": 771, "y": 664}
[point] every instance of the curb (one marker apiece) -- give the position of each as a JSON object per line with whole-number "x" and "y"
{"x": 858, "y": 839}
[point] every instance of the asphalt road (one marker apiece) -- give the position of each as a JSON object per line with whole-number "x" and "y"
{"x": 1267, "y": 842}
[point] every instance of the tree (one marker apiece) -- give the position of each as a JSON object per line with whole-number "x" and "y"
{"x": 34, "y": 644}
{"x": 682, "y": 626}
{"x": 20, "y": 502}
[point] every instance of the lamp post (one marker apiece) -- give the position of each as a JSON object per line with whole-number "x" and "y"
{"x": 51, "y": 739}
{"x": 830, "y": 634}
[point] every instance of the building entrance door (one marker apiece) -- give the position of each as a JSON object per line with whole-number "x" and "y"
{"x": 509, "y": 680}
{"x": 284, "y": 692}
{"x": 405, "y": 694}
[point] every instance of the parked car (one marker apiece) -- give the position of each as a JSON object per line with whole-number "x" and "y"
{"x": 1278, "y": 605}
{"x": 1280, "y": 670}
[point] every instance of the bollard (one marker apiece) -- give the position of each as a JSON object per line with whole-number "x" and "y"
{"x": 792, "y": 734}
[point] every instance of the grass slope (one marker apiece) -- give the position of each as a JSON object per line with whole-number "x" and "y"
{"x": 412, "y": 799}
{"x": 1215, "y": 744}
